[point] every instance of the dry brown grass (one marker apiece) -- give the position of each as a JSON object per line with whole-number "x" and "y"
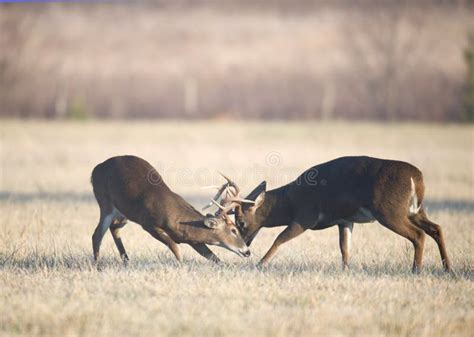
{"x": 47, "y": 216}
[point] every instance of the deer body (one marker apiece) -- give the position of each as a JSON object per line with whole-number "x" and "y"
{"x": 342, "y": 192}
{"x": 129, "y": 188}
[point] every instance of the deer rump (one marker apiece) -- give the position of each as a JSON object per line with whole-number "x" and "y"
{"x": 354, "y": 190}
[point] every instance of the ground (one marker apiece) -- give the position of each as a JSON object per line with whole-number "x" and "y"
{"x": 48, "y": 214}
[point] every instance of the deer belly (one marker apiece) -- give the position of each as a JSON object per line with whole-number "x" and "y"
{"x": 362, "y": 215}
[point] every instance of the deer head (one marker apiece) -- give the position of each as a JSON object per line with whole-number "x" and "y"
{"x": 226, "y": 234}
{"x": 244, "y": 209}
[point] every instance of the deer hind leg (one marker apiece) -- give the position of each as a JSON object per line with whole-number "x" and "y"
{"x": 345, "y": 236}
{"x": 115, "y": 228}
{"x": 105, "y": 221}
{"x": 434, "y": 230}
{"x": 404, "y": 227}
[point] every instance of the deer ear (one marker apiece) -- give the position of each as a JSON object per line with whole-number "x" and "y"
{"x": 259, "y": 201}
{"x": 257, "y": 191}
{"x": 258, "y": 195}
{"x": 211, "y": 222}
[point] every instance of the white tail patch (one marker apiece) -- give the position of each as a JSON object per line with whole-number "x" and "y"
{"x": 413, "y": 207}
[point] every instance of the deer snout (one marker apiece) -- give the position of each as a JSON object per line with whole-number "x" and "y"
{"x": 245, "y": 252}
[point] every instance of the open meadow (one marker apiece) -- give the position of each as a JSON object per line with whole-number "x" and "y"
{"x": 49, "y": 287}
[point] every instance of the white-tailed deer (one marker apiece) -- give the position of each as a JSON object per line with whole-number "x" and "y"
{"x": 129, "y": 188}
{"x": 340, "y": 192}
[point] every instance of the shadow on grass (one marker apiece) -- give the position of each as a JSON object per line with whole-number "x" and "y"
{"x": 380, "y": 270}
{"x": 75, "y": 197}
{"x": 197, "y": 199}
{"x": 35, "y": 261}
{"x": 26, "y": 197}
{"x": 162, "y": 261}
{"x": 450, "y": 205}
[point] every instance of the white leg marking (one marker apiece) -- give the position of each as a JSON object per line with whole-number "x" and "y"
{"x": 106, "y": 223}
{"x": 348, "y": 235}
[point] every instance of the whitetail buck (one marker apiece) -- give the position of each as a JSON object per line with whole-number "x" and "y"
{"x": 129, "y": 188}
{"x": 340, "y": 192}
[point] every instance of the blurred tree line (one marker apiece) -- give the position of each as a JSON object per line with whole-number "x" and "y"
{"x": 380, "y": 60}
{"x": 469, "y": 94}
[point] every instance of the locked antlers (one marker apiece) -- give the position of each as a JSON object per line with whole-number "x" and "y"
{"x": 231, "y": 198}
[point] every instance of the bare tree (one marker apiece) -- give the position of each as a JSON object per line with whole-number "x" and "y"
{"x": 386, "y": 54}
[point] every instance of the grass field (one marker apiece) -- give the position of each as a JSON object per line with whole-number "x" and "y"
{"x": 48, "y": 285}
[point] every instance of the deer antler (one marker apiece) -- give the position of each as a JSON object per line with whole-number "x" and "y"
{"x": 241, "y": 201}
{"x": 223, "y": 209}
{"x": 217, "y": 196}
{"x": 230, "y": 183}
{"x": 231, "y": 198}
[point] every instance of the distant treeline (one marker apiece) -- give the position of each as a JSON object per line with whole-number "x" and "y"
{"x": 384, "y": 60}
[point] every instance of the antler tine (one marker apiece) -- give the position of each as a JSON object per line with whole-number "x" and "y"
{"x": 230, "y": 195}
{"x": 239, "y": 201}
{"x": 207, "y": 206}
{"x": 217, "y": 204}
{"x": 222, "y": 209}
{"x": 219, "y": 192}
{"x": 217, "y": 196}
{"x": 231, "y": 183}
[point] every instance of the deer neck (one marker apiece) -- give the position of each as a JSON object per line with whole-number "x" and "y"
{"x": 188, "y": 226}
{"x": 275, "y": 210}
{"x": 195, "y": 234}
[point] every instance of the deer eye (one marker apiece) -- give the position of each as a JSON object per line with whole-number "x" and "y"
{"x": 234, "y": 231}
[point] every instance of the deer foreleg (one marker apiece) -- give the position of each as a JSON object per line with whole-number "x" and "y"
{"x": 289, "y": 233}
{"x": 162, "y": 236}
{"x": 345, "y": 236}
{"x": 204, "y": 251}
